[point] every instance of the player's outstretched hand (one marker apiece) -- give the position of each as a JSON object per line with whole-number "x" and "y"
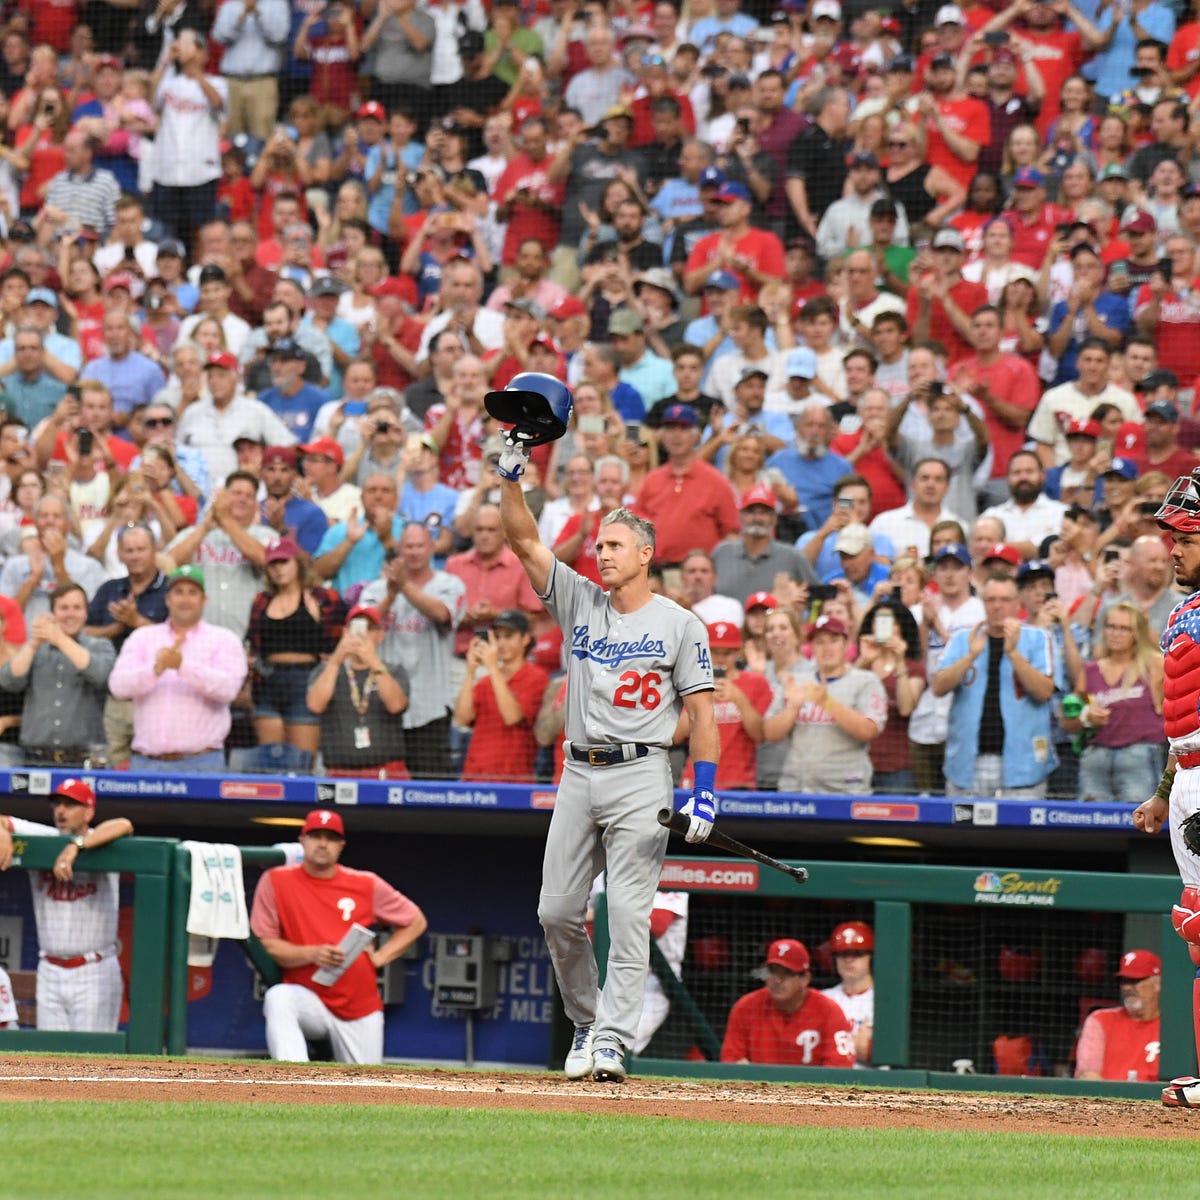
{"x": 701, "y": 808}
{"x": 515, "y": 458}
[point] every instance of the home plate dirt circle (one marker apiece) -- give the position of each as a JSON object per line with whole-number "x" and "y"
{"x": 30, "y": 1077}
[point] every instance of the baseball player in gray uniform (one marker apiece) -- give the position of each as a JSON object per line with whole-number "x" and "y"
{"x": 634, "y": 660}
{"x": 79, "y": 978}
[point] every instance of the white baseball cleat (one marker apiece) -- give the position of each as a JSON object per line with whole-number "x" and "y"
{"x": 1183, "y": 1092}
{"x": 579, "y": 1057}
{"x": 608, "y": 1065}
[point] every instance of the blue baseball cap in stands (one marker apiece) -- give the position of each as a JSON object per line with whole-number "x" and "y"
{"x": 1029, "y": 177}
{"x": 42, "y": 296}
{"x": 733, "y": 191}
{"x": 679, "y": 414}
{"x": 956, "y": 551}
{"x": 723, "y": 280}
{"x": 285, "y": 347}
{"x": 712, "y": 177}
{"x": 801, "y": 363}
{"x": 1035, "y": 568}
{"x": 1163, "y": 409}
{"x": 1125, "y": 467}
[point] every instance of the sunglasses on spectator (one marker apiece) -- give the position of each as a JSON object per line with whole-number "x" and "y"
{"x": 899, "y": 145}
{"x": 158, "y": 422}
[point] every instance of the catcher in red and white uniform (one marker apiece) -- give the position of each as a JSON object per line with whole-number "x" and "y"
{"x": 301, "y": 913}
{"x": 852, "y": 945}
{"x": 78, "y": 977}
{"x": 1178, "y": 791}
{"x": 787, "y": 1022}
{"x": 1122, "y": 1042}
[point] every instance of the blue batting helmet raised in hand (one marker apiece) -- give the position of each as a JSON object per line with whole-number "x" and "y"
{"x": 535, "y": 404}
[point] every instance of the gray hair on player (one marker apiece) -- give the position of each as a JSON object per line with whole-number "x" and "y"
{"x": 643, "y": 530}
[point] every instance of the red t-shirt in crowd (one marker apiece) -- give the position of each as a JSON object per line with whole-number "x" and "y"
{"x": 691, "y": 511}
{"x": 334, "y": 79}
{"x": 1012, "y": 379}
{"x": 89, "y": 329}
{"x": 584, "y": 563}
{"x": 643, "y": 127}
{"x": 1178, "y": 330}
{"x": 1183, "y": 51}
{"x": 46, "y": 162}
{"x": 738, "y": 767}
{"x": 291, "y": 904}
{"x": 1178, "y": 462}
{"x": 969, "y": 118}
{"x": 760, "y": 246}
{"x": 124, "y": 452}
{"x": 525, "y": 221}
{"x": 968, "y": 296}
{"x": 498, "y": 750}
{"x": 53, "y": 22}
{"x": 1030, "y": 238}
{"x": 238, "y": 197}
{"x": 1057, "y": 54}
{"x": 818, "y": 1034}
{"x": 887, "y": 492}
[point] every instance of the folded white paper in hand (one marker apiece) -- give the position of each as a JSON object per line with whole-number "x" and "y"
{"x": 357, "y": 939}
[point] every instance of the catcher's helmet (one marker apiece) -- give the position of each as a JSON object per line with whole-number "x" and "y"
{"x": 850, "y": 937}
{"x": 1180, "y": 511}
{"x": 533, "y": 403}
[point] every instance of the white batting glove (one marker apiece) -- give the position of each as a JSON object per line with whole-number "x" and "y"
{"x": 701, "y": 809}
{"x": 515, "y": 458}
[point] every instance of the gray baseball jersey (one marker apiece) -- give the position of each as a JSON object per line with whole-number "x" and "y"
{"x": 232, "y": 581}
{"x": 626, "y": 672}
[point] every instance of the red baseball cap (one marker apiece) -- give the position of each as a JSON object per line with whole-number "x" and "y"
{"x": 226, "y": 360}
{"x": 365, "y": 610}
{"x": 789, "y": 953}
{"x": 724, "y": 635}
{"x": 325, "y": 447}
{"x": 761, "y": 600}
{"x": 826, "y": 625}
{"x": 391, "y": 286}
{"x": 120, "y": 279}
{"x": 1082, "y": 427}
{"x": 322, "y": 818}
{"x": 1004, "y": 552}
{"x": 571, "y": 306}
{"x": 1139, "y": 964}
{"x": 283, "y": 454}
{"x": 77, "y": 791}
{"x": 283, "y": 550}
{"x": 759, "y": 494}
{"x": 372, "y": 108}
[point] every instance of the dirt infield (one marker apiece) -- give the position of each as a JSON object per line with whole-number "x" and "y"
{"x": 35, "y": 1077}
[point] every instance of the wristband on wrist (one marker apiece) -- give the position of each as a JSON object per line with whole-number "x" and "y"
{"x": 1163, "y": 791}
{"x": 705, "y": 776}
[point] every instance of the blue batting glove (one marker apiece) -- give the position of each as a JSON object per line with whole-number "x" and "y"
{"x": 515, "y": 458}
{"x": 702, "y": 810}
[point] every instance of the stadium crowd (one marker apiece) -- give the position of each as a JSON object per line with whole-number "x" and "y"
{"x": 886, "y": 316}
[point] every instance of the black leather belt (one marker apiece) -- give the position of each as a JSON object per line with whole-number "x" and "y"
{"x": 608, "y": 756}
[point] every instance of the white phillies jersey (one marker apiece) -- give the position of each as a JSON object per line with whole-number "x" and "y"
{"x": 8, "y": 1002}
{"x": 859, "y": 1008}
{"x": 626, "y": 672}
{"x": 74, "y": 916}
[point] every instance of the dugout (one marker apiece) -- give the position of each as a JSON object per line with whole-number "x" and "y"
{"x": 471, "y": 854}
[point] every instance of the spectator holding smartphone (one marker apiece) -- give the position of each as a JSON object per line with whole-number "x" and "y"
{"x": 889, "y": 646}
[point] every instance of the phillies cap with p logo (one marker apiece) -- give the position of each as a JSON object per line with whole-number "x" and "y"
{"x": 322, "y": 819}
{"x": 789, "y": 953}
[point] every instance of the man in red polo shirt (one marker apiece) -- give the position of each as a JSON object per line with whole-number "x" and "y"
{"x": 525, "y": 197}
{"x": 957, "y": 126}
{"x": 752, "y": 255}
{"x": 691, "y": 503}
{"x": 941, "y": 301}
{"x": 576, "y": 542}
{"x": 1031, "y": 219}
{"x": 1004, "y": 384}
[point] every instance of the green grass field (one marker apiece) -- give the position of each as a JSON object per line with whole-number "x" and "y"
{"x": 346, "y": 1152}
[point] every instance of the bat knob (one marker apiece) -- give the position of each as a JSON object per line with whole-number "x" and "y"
{"x": 800, "y": 874}
{"x": 664, "y": 817}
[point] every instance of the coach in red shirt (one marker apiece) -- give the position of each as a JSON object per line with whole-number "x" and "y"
{"x": 301, "y": 914}
{"x": 691, "y": 503}
{"x": 786, "y": 1022}
{"x": 1122, "y": 1042}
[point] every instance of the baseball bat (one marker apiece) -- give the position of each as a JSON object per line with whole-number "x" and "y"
{"x": 676, "y": 822}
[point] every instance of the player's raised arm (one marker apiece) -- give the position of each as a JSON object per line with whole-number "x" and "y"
{"x": 522, "y": 533}
{"x": 537, "y": 406}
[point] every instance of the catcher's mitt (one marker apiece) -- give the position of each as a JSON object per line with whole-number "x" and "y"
{"x": 1190, "y": 832}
